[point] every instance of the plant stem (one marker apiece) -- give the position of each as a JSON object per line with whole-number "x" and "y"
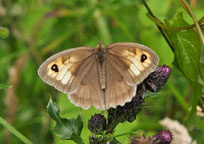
{"x": 160, "y": 29}
{"x": 122, "y": 134}
{"x": 178, "y": 96}
{"x": 111, "y": 126}
{"x": 158, "y": 22}
{"x": 14, "y": 131}
{"x": 186, "y": 6}
{"x": 101, "y": 23}
{"x": 196, "y": 95}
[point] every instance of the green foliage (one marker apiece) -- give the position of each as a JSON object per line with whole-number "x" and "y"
{"x": 201, "y": 74}
{"x": 196, "y": 96}
{"x": 4, "y": 32}
{"x": 66, "y": 129}
{"x": 186, "y": 45}
{"x": 4, "y": 86}
{"x": 14, "y": 131}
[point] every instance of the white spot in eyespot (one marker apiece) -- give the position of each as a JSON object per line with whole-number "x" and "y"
{"x": 66, "y": 77}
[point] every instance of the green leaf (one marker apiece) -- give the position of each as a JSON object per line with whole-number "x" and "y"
{"x": 201, "y": 74}
{"x": 66, "y": 129}
{"x": 197, "y": 91}
{"x": 4, "y": 32}
{"x": 186, "y": 47}
{"x": 20, "y": 136}
{"x": 4, "y": 86}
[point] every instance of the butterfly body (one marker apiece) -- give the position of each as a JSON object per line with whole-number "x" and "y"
{"x": 100, "y": 57}
{"x": 102, "y": 77}
{"x": 100, "y": 53}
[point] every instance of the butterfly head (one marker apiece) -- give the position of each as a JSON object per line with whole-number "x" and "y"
{"x": 100, "y": 46}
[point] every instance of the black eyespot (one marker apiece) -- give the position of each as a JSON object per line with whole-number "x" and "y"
{"x": 54, "y": 68}
{"x": 143, "y": 57}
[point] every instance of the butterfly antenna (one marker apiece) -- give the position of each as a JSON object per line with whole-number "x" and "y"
{"x": 115, "y": 33}
{"x": 92, "y": 36}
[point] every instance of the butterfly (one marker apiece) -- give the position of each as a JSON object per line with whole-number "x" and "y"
{"x": 102, "y": 77}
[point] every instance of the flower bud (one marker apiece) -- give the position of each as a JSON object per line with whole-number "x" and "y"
{"x": 96, "y": 140}
{"x": 97, "y": 124}
{"x": 163, "y": 137}
{"x": 156, "y": 80}
{"x": 132, "y": 108}
{"x": 129, "y": 111}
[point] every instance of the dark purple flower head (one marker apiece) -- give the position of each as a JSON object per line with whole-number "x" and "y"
{"x": 156, "y": 80}
{"x": 129, "y": 111}
{"x": 139, "y": 140}
{"x": 163, "y": 137}
{"x": 96, "y": 140}
{"x": 125, "y": 113}
{"x": 103, "y": 140}
{"x": 97, "y": 123}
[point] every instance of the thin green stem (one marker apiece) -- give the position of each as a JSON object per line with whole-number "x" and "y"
{"x": 186, "y": 6}
{"x": 160, "y": 29}
{"x": 158, "y": 22}
{"x": 178, "y": 96}
{"x": 196, "y": 95}
{"x": 101, "y": 23}
{"x": 122, "y": 134}
{"x": 14, "y": 131}
{"x": 111, "y": 126}
{"x": 4, "y": 86}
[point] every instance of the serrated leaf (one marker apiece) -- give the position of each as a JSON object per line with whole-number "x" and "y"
{"x": 66, "y": 129}
{"x": 186, "y": 47}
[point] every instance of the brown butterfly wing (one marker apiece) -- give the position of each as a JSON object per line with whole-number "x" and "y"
{"x": 72, "y": 66}
{"x": 89, "y": 92}
{"x": 125, "y": 70}
{"x": 133, "y": 61}
{"x": 118, "y": 92}
{"x": 77, "y": 74}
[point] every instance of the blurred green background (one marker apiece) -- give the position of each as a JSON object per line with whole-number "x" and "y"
{"x": 41, "y": 28}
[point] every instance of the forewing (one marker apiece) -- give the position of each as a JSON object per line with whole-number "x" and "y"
{"x": 118, "y": 92}
{"x": 133, "y": 61}
{"x": 72, "y": 66}
{"x": 89, "y": 93}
